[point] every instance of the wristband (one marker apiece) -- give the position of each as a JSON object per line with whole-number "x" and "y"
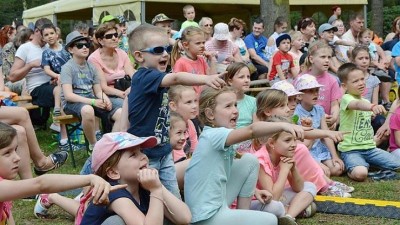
{"x": 93, "y": 102}
{"x": 372, "y": 106}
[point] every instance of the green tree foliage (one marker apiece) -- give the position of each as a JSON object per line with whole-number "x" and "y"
{"x": 12, "y": 9}
{"x": 389, "y": 14}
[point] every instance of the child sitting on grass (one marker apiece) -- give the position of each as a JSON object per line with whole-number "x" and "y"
{"x": 358, "y": 149}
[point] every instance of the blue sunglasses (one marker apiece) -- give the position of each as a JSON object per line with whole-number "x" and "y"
{"x": 158, "y": 50}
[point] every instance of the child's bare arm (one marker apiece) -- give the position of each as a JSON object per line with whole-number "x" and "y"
{"x": 190, "y": 79}
{"x": 345, "y": 42}
{"x": 53, "y": 183}
{"x": 265, "y": 180}
{"x": 366, "y": 106}
{"x": 331, "y": 146}
{"x": 175, "y": 209}
{"x": 262, "y": 129}
{"x": 50, "y": 72}
{"x": 296, "y": 181}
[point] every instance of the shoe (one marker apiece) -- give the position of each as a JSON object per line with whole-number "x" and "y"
{"x": 57, "y": 158}
{"x": 336, "y": 192}
{"x": 30, "y": 198}
{"x": 99, "y": 135}
{"x": 343, "y": 187}
{"x": 42, "y": 206}
{"x": 65, "y": 147}
{"x": 55, "y": 127}
{"x": 309, "y": 211}
{"x": 387, "y": 106}
{"x": 286, "y": 220}
{"x": 382, "y": 75}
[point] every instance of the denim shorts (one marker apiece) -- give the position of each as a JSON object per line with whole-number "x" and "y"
{"x": 370, "y": 157}
{"x": 166, "y": 171}
{"x": 320, "y": 152}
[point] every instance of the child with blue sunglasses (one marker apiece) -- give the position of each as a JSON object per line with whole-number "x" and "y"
{"x": 147, "y": 105}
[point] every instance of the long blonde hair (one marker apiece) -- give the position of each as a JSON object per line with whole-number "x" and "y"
{"x": 314, "y": 48}
{"x": 186, "y": 35}
{"x": 208, "y": 101}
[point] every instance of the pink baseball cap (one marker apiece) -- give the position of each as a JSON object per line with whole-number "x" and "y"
{"x": 287, "y": 87}
{"x": 112, "y": 142}
{"x": 306, "y": 81}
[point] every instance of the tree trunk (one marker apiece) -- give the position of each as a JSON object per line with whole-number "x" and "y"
{"x": 377, "y": 17}
{"x": 270, "y": 10}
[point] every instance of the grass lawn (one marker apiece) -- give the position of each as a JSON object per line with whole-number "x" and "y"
{"x": 387, "y": 190}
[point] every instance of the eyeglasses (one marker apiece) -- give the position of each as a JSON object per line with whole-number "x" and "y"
{"x": 158, "y": 50}
{"x": 80, "y": 45}
{"x": 208, "y": 25}
{"x": 109, "y": 36}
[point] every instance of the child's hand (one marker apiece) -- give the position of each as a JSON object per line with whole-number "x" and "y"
{"x": 336, "y": 136}
{"x": 149, "y": 179}
{"x": 330, "y": 120}
{"x": 306, "y": 122}
{"x": 215, "y": 81}
{"x": 295, "y": 130}
{"x": 378, "y": 109}
{"x": 326, "y": 170}
{"x": 286, "y": 163}
{"x": 101, "y": 189}
{"x": 337, "y": 161}
{"x": 263, "y": 196}
{"x": 99, "y": 103}
{"x": 211, "y": 55}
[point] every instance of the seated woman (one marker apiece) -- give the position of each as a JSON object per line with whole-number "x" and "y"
{"x": 111, "y": 62}
{"x": 227, "y": 51}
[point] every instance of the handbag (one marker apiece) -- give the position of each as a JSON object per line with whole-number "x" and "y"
{"x": 123, "y": 83}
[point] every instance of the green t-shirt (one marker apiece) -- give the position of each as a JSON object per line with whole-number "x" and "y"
{"x": 188, "y": 23}
{"x": 359, "y": 123}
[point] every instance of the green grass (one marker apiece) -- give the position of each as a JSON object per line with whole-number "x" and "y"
{"x": 388, "y": 190}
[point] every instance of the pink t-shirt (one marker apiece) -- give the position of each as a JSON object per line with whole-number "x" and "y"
{"x": 306, "y": 165}
{"x": 192, "y": 135}
{"x": 329, "y": 92}
{"x": 394, "y": 126}
{"x": 110, "y": 74}
{"x": 198, "y": 66}
{"x": 5, "y": 210}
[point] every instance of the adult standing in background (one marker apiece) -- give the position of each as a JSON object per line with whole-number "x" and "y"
{"x": 206, "y": 24}
{"x": 356, "y": 24}
{"x": 337, "y": 11}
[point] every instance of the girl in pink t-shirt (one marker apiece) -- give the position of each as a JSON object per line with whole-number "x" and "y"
{"x": 184, "y": 101}
{"x": 317, "y": 64}
{"x": 277, "y": 167}
{"x": 194, "y": 57}
{"x": 281, "y": 101}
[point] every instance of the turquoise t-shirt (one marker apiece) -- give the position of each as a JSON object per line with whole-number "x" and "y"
{"x": 246, "y": 107}
{"x": 359, "y": 123}
{"x": 208, "y": 173}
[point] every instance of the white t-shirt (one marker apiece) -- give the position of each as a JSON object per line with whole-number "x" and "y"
{"x": 348, "y": 36}
{"x": 29, "y": 52}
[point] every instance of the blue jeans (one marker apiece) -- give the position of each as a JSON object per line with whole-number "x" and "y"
{"x": 374, "y": 157}
{"x": 87, "y": 167}
{"x": 166, "y": 171}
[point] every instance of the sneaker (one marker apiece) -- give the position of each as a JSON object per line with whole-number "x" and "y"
{"x": 99, "y": 135}
{"x": 387, "y": 106}
{"x": 65, "y": 147}
{"x": 382, "y": 75}
{"x": 55, "y": 127}
{"x": 309, "y": 211}
{"x": 336, "y": 192}
{"x": 42, "y": 206}
{"x": 344, "y": 187}
{"x": 286, "y": 220}
{"x": 57, "y": 158}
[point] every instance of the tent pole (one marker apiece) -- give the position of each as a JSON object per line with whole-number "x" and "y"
{"x": 142, "y": 12}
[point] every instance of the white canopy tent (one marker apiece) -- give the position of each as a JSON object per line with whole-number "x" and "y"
{"x": 144, "y": 10}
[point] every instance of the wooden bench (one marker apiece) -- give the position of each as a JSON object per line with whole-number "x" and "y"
{"x": 24, "y": 101}
{"x": 72, "y": 124}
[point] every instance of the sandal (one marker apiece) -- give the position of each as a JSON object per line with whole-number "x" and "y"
{"x": 57, "y": 158}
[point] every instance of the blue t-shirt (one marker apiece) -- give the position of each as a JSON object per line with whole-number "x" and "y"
{"x": 55, "y": 59}
{"x": 208, "y": 172}
{"x": 149, "y": 111}
{"x": 258, "y": 44}
{"x": 316, "y": 115}
{"x": 97, "y": 214}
